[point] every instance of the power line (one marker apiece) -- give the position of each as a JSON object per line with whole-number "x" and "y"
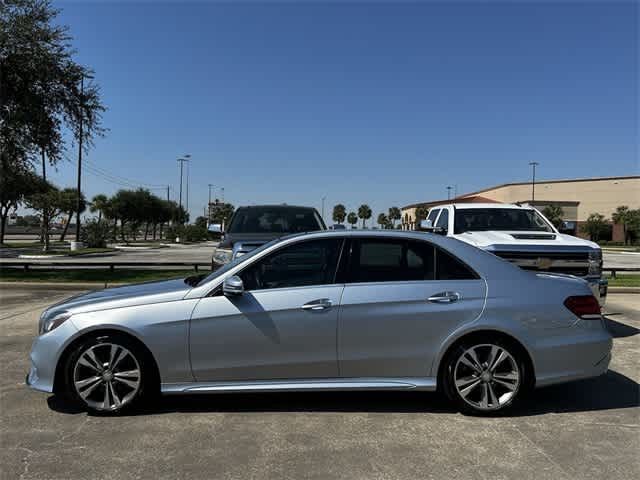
{"x": 116, "y": 179}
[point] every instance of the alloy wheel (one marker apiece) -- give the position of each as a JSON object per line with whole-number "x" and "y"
{"x": 107, "y": 376}
{"x": 486, "y": 377}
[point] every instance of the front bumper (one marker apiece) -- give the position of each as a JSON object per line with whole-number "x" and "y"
{"x": 45, "y": 353}
{"x": 599, "y": 287}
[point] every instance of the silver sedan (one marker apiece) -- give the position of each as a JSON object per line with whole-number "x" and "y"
{"x": 340, "y": 310}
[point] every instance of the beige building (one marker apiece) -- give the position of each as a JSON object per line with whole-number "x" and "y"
{"x": 578, "y": 198}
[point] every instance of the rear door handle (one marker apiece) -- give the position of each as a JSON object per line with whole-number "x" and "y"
{"x": 445, "y": 297}
{"x": 320, "y": 304}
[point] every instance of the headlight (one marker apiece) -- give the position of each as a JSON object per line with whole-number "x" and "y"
{"x": 595, "y": 262}
{"x": 222, "y": 255}
{"x": 49, "y": 323}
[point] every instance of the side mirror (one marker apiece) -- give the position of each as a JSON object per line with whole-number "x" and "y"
{"x": 215, "y": 228}
{"x": 426, "y": 225}
{"x": 439, "y": 230}
{"x": 233, "y": 286}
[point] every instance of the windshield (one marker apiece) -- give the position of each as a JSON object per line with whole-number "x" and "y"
{"x": 238, "y": 260}
{"x": 275, "y": 220}
{"x": 483, "y": 219}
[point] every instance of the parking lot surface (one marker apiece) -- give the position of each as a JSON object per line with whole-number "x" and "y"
{"x": 588, "y": 429}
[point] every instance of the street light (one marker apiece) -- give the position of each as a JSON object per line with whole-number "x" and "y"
{"x": 181, "y": 161}
{"x": 449, "y": 188}
{"x": 533, "y": 181}
{"x": 209, "y": 205}
{"x": 80, "y": 135}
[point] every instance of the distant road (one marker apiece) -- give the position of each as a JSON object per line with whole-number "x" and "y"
{"x": 202, "y": 253}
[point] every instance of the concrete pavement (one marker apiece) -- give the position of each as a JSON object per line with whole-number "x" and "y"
{"x": 587, "y": 430}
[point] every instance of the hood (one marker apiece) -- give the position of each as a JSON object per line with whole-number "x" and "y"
{"x": 126, "y": 296}
{"x": 495, "y": 239}
{"x": 230, "y": 239}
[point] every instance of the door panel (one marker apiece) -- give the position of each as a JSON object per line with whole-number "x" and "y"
{"x": 392, "y": 329}
{"x": 266, "y": 334}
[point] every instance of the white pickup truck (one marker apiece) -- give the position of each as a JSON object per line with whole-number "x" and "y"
{"x": 521, "y": 235}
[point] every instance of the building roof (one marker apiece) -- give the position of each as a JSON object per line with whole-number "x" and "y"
{"x": 475, "y": 197}
{"x": 570, "y": 180}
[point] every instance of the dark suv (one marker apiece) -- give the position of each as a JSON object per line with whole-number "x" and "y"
{"x": 250, "y": 227}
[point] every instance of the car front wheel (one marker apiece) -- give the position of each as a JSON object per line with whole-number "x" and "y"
{"x": 106, "y": 374}
{"x": 485, "y": 378}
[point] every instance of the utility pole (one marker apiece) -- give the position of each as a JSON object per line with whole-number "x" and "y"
{"x": 187, "y": 157}
{"x": 222, "y": 194}
{"x": 80, "y": 135}
{"x": 449, "y": 188}
{"x": 167, "y": 193}
{"x": 533, "y": 181}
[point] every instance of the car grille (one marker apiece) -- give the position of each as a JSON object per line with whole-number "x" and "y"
{"x": 574, "y": 263}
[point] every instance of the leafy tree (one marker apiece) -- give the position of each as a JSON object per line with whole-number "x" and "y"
{"x": 221, "y": 213}
{"x": 364, "y": 213}
{"x": 393, "y": 215}
{"x": 352, "y": 218}
{"x": 69, "y": 205}
{"x": 633, "y": 225}
{"x": 100, "y": 204}
{"x": 383, "y": 221}
{"x": 339, "y": 213}
{"x": 623, "y": 216}
{"x": 49, "y": 202}
{"x": 16, "y": 184}
{"x": 201, "y": 222}
{"x": 28, "y": 221}
{"x": 554, "y": 214}
{"x": 595, "y": 226}
{"x": 40, "y": 85}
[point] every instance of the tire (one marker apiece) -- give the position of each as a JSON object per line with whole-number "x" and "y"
{"x": 108, "y": 374}
{"x": 485, "y": 376}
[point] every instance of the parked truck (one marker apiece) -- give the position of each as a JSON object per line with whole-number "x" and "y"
{"x": 523, "y": 236}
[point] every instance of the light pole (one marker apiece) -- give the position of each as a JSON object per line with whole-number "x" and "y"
{"x": 533, "y": 181}
{"x": 209, "y": 206}
{"x": 323, "y": 199}
{"x": 181, "y": 161}
{"x": 449, "y": 188}
{"x": 80, "y": 135}
{"x": 188, "y": 157}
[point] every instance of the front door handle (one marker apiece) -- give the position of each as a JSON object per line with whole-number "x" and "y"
{"x": 320, "y": 304}
{"x": 445, "y": 297}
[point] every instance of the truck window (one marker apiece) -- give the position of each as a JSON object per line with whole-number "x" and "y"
{"x": 433, "y": 214}
{"x": 483, "y": 219}
{"x": 443, "y": 221}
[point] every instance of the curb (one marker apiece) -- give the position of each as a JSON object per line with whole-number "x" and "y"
{"x": 613, "y": 290}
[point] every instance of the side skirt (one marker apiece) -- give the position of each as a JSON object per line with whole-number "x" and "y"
{"x": 320, "y": 384}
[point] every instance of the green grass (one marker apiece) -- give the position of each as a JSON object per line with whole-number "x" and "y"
{"x": 91, "y": 275}
{"x": 624, "y": 281}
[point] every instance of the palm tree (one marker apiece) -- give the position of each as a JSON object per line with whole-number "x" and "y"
{"x": 352, "y": 218}
{"x": 99, "y": 204}
{"x": 364, "y": 213}
{"x": 383, "y": 221}
{"x": 394, "y": 214}
{"x": 339, "y": 213}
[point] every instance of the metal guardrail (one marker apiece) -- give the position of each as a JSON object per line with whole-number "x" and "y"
{"x": 613, "y": 270}
{"x": 109, "y": 265}
{"x": 26, "y": 265}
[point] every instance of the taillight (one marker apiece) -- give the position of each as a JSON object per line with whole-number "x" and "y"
{"x": 584, "y": 306}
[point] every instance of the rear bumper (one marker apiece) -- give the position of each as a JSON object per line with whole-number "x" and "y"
{"x": 584, "y": 354}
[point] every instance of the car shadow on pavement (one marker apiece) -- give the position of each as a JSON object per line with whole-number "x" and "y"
{"x": 609, "y": 391}
{"x": 619, "y": 329}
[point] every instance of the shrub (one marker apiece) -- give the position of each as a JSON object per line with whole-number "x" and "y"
{"x": 95, "y": 233}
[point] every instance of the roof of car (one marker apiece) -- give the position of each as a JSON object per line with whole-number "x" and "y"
{"x": 485, "y": 205}
{"x": 277, "y": 206}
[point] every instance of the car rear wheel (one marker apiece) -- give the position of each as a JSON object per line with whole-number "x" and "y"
{"x": 485, "y": 378}
{"x": 107, "y": 374}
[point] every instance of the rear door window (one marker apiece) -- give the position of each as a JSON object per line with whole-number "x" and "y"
{"x": 449, "y": 267}
{"x": 390, "y": 260}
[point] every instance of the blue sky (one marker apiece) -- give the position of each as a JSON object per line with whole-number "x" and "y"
{"x": 378, "y": 103}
